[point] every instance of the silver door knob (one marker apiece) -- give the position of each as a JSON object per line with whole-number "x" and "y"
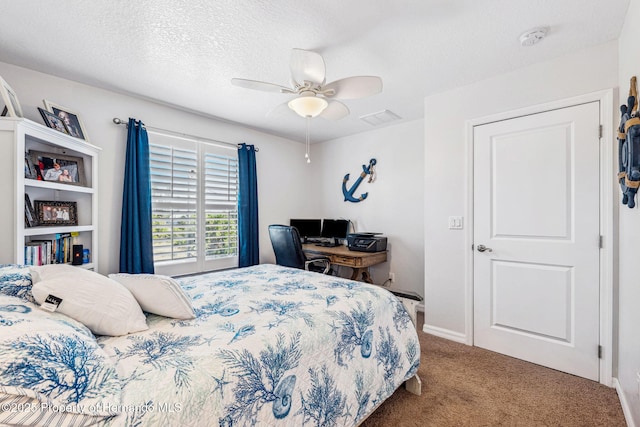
{"x": 482, "y": 248}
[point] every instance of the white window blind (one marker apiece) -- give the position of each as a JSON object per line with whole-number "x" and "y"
{"x": 221, "y": 205}
{"x": 194, "y": 189}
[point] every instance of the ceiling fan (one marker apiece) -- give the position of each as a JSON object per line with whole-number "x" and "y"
{"x": 315, "y": 97}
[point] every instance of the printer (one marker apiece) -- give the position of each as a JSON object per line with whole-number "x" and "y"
{"x": 366, "y": 242}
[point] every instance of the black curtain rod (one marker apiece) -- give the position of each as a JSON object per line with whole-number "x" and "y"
{"x": 170, "y": 132}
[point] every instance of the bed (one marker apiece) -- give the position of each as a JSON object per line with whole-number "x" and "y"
{"x": 269, "y": 346}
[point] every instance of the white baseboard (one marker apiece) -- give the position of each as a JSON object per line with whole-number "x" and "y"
{"x": 626, "y": 408}
{"x": 444, "y": 333}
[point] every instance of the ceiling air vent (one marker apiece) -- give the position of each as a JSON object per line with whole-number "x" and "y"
{"x": 381, "y": 117}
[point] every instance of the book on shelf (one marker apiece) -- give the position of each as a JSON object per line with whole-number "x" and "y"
{"x": 63, "y": 248}
{"x": 55, "y": 251}
{"x": 46, "y": 248}
{"x": 35, "y": 253}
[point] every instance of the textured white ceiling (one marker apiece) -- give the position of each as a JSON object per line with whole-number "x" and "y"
{"x": 184, "y": 53}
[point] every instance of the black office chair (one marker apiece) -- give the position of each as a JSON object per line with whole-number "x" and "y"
{"x": 285, "y": 240}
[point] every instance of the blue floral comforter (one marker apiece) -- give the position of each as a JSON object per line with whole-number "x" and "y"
{"x": 270, "y": 346}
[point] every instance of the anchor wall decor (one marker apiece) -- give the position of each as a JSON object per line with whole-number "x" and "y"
{"x": 366, "y": 170}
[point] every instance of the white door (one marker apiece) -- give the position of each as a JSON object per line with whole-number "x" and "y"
{"x": 536, "y": 210}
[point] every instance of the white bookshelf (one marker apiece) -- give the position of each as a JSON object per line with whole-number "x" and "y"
{"x": 17, "y": 137}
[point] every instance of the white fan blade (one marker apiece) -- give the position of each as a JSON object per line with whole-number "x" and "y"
{"x": 264, "y": 86}
{"x": 307, "y": 66}
{"x": 354, "y": 87}
{"x": 335, "y": 111}
{"x": 281, "y": 110}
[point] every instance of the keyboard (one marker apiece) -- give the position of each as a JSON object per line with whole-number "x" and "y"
{"x": 326, "y": 244}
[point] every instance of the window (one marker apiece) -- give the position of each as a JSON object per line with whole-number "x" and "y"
{"x": 194, "y": 189}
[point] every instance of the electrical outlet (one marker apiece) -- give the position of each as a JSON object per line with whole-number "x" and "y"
{"x": 392, "y": 277}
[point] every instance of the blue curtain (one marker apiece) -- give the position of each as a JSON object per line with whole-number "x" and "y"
{"x": 247, "y": 207}
{"x": 136, "y": 248}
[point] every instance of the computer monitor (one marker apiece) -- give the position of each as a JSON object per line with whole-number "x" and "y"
{"x": 307, "y": 227}
{"x": 335, "y": 229}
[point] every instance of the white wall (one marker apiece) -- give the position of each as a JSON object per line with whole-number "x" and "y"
{"x": 445, "y": 169}
{"x": 629, "y": 233}
{"x": 395, "y": 202}
{"x": 282, "y": 178}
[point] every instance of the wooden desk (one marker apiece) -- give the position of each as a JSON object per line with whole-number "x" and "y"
{"x": 341, "y": 255}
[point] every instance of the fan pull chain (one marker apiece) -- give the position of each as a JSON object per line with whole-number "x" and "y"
{"x": 306, "y": 154}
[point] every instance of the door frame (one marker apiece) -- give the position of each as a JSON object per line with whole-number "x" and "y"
{"x": 607, "y": 210}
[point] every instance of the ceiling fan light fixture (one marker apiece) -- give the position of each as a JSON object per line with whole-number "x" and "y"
{"x": 308, "y": 105}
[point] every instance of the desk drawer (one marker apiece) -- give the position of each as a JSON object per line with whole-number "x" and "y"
{"x": 343, "y": 260}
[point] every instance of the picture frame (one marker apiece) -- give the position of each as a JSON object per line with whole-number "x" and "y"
{"x": 10, "y": 100}
{"x": 56, "y": 213}
{"x": 72, "y": 121}
{"x": 53, "y": 121}
{"x": 31, "y": 220}
{"x": 30, "y": 170}
{"x": 59, "y": 168}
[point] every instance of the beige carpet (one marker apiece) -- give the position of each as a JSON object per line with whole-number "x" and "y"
{"x": 470, "y": 386}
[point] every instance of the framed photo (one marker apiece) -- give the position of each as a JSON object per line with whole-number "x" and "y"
{"x": 59, "y": 167}
{"x": 71, "y": 120}
{"x": 10, "y": 100}
{"x": 31, "y": 220}
{"x": 30, "y": 170}
{"x": 56, "y": 213}
{"x": 53, "y": 121}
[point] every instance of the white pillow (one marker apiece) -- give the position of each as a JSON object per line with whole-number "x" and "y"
{"x": 101, "y": 304}
{"x": 157, "y": 294}
{"x": 52, "y": 370}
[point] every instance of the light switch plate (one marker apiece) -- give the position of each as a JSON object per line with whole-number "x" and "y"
{"x": 455, "y": 223}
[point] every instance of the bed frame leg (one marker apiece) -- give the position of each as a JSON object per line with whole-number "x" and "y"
{"x": 414, "y": 385}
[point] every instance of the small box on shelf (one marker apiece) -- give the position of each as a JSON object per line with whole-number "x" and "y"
{"x": 77, "y": 255}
